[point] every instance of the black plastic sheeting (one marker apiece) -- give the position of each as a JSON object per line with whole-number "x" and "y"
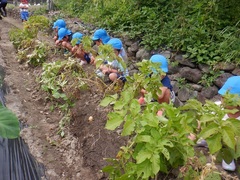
{"x": 16, "y": 162}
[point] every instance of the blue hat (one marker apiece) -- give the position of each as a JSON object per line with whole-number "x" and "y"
{"x": 232, "y": 85}
{"x": 63, "y": 32}
{"x": 101, "y": 34}
{"x": 157, "y": 58}
{"x": 60, "y": 23}
{"x": 116, "y": 43}
{"x": 77, "y": 36}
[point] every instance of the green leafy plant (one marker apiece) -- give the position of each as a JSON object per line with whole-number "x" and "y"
{"x": 208, "y": 78}
{"x": 156, "y": 143}
{"x": 9, "y": 124}
{"x": 63, "y": 80}
{"x": 219, "y": 134}
{"x": 39, "y": 54}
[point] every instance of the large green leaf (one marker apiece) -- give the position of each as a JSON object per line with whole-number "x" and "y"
{"x": 209, "y": 131}
{"x": 128, "y": 127}
{"x": 143, "y": 155}
{"x": 114, "y": 121}
{"x": 214, "y": 143}
{"x": 9, "y": 124}
{"x": 228, "y": 137}
{"x": 155, "y": 159}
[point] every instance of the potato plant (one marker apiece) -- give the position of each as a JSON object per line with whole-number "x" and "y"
{"x": 30, "y": 49}
{"x": 160, "y": 143}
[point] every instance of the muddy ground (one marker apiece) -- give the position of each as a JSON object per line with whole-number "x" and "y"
{"x": 80, "y": 154}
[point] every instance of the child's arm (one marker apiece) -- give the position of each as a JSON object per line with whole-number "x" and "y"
{"x": 164, "y": 96}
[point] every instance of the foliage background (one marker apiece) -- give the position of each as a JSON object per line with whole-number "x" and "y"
{"x": 207, "y": 30}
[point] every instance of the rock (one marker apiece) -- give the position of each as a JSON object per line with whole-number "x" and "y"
{"x": 184, "y": 94}
{"x": 225, "y": 66}
{"x": 183, "y": 61}
{"x": 209, "y": 92}
{"x": 222, "y": 79}
{"x": 133, "y": 47}
{"x": 204, "y": 68}
{"x": 196, "y": 87}
{"x": 173, "y": 69}
{"x": 175, "y": 86}
{"x": 177, "y": 102}
{"x": 167, "y": 54}
{"x": 236, "y": 71}
{"x": 174, "y": 76}
{"x": 142, "y": 54}
{"x": 192, "y": 75}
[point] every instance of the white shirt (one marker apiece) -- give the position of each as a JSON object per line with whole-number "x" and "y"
{"x": 23, "y": 7}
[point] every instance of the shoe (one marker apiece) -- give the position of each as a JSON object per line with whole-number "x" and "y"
{"x": 229, "y": 167}
{"x": 202, "y": 143}
{"x": 83, "y": 62}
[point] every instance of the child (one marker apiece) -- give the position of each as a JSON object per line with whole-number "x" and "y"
{"x": 24, "y": 10}
{"x": 78, "y": 51}
{"x": 64, "y": 39}
{"x": 101, "y": 36}
{"x": 58, "y": 24}
{"x": 3, "y": 4}
{"x": 114, "y": 69}
{"x": 167, "y": 92}
{"x": 232, "y": 86}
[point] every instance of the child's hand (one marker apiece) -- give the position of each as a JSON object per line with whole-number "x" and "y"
{"x": 143, "y": 91}
{"x": 160, "y": 113}
{"x": 141, "y": 100}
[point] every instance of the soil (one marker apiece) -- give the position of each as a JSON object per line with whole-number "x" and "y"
{"x": 80, "y": 154}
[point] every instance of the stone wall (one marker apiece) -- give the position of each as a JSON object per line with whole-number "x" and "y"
{"x": 181, "y": 68}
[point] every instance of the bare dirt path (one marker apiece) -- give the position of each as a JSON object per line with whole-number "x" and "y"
{"x": 24, "y": 98}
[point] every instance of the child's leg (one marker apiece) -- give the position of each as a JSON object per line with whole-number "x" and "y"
{"x": 4, "y": 9}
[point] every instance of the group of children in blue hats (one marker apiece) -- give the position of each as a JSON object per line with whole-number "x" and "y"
{"x": 115, "y": 70}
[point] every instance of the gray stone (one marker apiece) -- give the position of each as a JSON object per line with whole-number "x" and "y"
{"x": 177, "y": 102}
{"x": 172, "y": 69}
{"x": 196, "y": 87}
{"x": 193, "y": 94}
{"x": 222, "y": 79}
{"x": 134, "y": 47}
{"x": 130, "y": 52}
{"x": 127, "y": 41}
{"x": 192, "y": 75}
{"x": 183, "y": 61}
{"x": 184, "y": 94}
{"x": 204, "y": 68}
{"x": 167, "y": 54}
{"x": 236, "y": 71}
{"x": 175, "y": 86}
{"x": 142, "y": 54}
{"x": 174, "y": 76}
{"x": 225, "y": 66}
{"x": 209, "y": 92}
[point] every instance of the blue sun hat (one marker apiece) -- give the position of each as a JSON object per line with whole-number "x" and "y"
{"x": 101, "y": 34}
{"x": 60, "y": 23}
{"x": 77, "y": 36}
{"x": 232, "y": 85}
{"x": 157, "y": 58}
{"x": 63, "y": 32}
{"x": 115, "y": 43}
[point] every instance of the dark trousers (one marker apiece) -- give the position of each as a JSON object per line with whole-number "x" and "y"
{"x": 3, "y": 8}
